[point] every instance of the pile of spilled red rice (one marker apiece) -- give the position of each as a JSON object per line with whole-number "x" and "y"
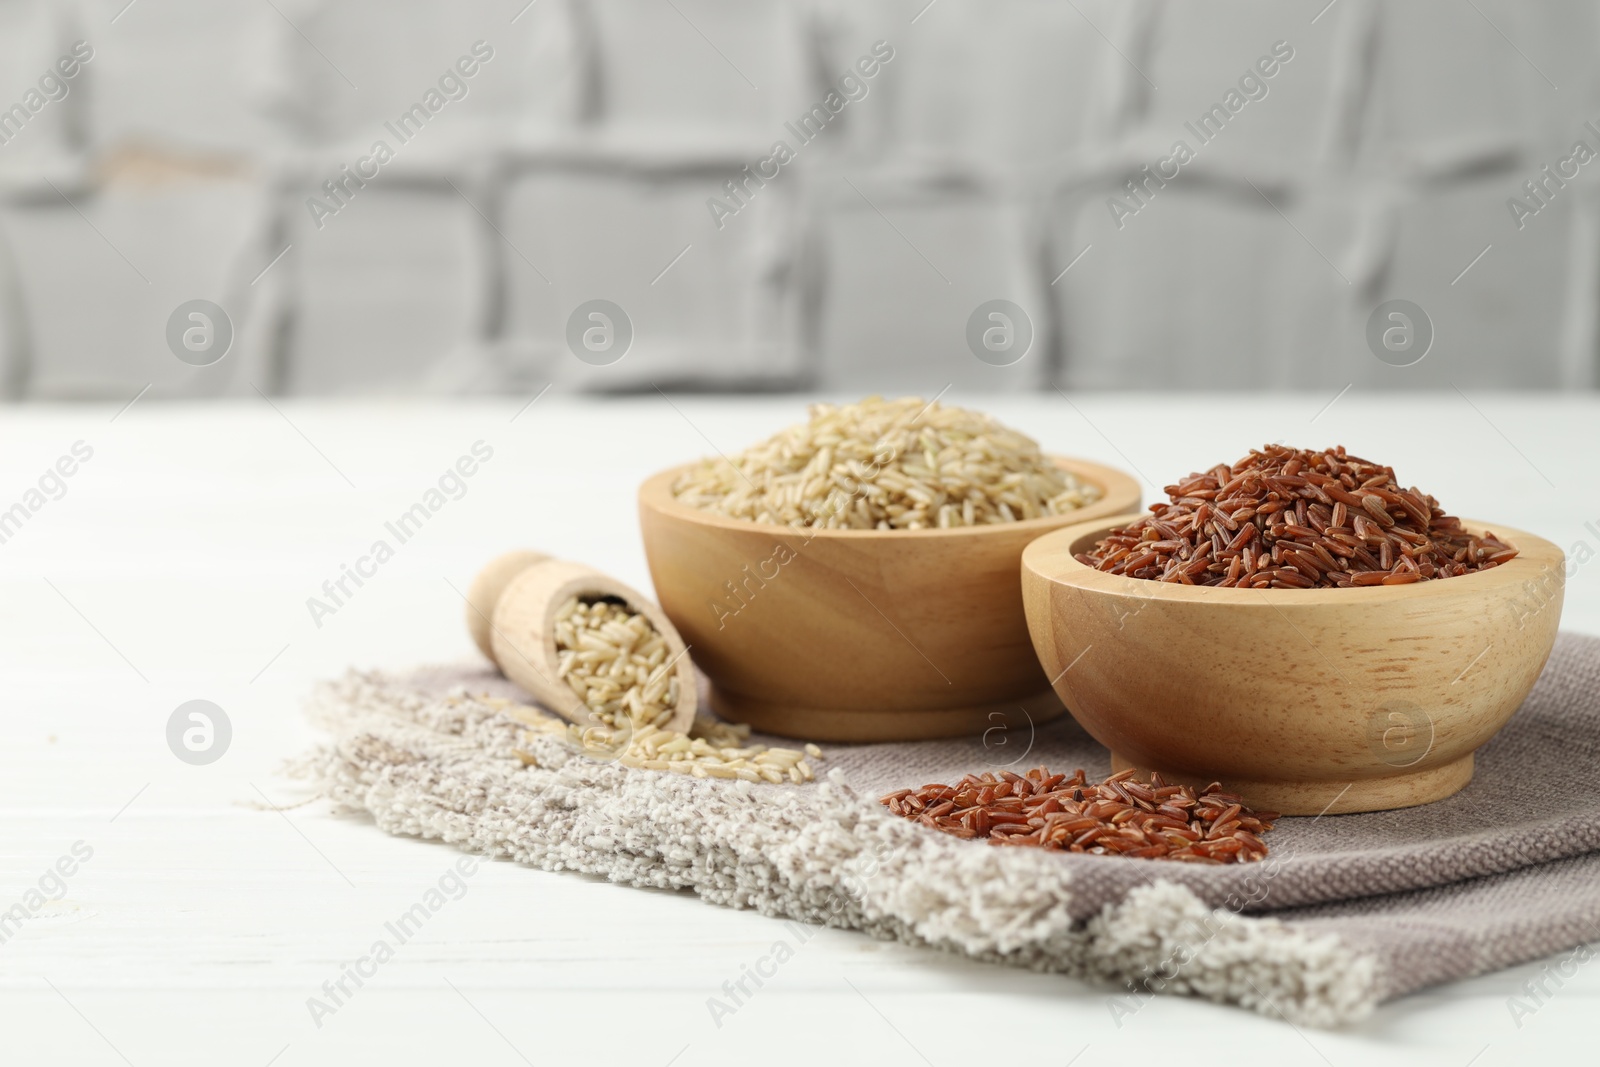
{"x": 1286, "y": 518}
{"x": 1119, "y": 816}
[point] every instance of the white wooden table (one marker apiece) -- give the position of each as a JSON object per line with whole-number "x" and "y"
{"x": 177, "y": 566}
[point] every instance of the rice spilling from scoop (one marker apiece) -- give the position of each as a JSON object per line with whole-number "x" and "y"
{"x": 905, "y": 464}
{"x": 622, "y": 669}
{"x": 711, "y": 749}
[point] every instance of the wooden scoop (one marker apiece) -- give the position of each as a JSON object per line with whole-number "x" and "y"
{"x": 522, "y": 633}
{"x": 484, "y": 593}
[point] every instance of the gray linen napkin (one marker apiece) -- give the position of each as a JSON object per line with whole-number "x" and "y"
{"x": 1346, "y": 912}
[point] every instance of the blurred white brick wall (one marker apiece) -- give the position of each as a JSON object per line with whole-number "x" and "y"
{"x": 578, "y": 160}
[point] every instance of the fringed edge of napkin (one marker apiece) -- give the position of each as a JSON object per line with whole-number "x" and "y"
{"x": 455, "y": 768}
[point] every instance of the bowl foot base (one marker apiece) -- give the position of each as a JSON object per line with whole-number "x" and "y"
{"x": 884, "y": 724}
{"x": 1403, "y": 789}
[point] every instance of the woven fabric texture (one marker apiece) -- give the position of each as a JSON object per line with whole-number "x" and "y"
{"x": 1347, "y": 911}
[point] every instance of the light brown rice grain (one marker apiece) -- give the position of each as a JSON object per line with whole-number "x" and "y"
{"x": 887, "y": 464}
{"x": 618, "y": 664}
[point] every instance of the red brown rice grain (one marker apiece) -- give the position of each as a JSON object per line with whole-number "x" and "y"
{"x": 1286, "y": 518}
{"x": 1119, "y": 816}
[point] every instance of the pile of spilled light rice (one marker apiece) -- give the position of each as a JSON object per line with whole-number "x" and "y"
{"x": 617, "y": 663}
{"x": 906, "y": 464}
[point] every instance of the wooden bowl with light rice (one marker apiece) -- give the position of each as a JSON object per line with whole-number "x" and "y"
{"x": 832, "y": 633}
